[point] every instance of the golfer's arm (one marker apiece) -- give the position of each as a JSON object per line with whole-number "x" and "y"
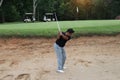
{"x": 58, "y": 36}
{"x": 65, "y": 37}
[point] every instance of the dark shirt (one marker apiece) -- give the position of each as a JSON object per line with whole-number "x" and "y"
{"x": 61, "y": 41}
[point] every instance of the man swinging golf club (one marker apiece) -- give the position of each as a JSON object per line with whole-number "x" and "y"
{"x": 62, "y": 38}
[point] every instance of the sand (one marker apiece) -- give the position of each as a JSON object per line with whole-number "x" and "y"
{"x": 88, "y": 58}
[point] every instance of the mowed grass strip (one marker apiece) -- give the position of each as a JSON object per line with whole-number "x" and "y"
{"x": 49, "y": 29}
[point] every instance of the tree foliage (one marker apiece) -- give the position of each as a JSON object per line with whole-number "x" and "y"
{"x": 14, "y": 10}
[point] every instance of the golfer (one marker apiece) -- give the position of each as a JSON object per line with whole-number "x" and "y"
{"x": 62, "y": 38}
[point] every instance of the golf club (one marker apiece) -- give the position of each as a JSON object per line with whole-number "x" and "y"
{"x": 57, "y": 23}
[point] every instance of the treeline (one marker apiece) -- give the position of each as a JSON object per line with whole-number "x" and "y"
{"x": 14, "y": 10}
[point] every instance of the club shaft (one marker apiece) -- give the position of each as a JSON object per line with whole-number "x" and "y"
{"x": 57, "y": 23}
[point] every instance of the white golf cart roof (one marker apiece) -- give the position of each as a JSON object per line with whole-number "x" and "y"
{"x": 49, "y": 13}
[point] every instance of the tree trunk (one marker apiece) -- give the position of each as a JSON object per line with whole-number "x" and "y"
{"x": 1, "y": 3}
{"x": 38, "y": 15}
{"x": 2, "y": 18}
{"x": 34, "y": 9}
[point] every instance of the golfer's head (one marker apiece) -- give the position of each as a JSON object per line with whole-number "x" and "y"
{"x": 69, "y": 32}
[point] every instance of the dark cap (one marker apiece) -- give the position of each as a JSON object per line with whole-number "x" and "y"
{"x": 70, "y": 30}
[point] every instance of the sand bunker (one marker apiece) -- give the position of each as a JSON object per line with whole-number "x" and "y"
{"x": 88, "y": 58}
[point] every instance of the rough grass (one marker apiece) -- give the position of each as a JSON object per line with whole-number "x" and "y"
{"x": 49, "y": 29}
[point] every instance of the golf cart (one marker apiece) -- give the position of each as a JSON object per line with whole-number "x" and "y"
{"x": 28, "y": 17}
{"x": 49, "y": 17}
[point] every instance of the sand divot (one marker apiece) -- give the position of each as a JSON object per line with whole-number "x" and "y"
{"x": 8, "y": 77}
{"x": 83, "y": 62}
{"x": 23, "y": 77}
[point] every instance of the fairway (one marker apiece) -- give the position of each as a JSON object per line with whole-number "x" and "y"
{"x": 49, "y": 29}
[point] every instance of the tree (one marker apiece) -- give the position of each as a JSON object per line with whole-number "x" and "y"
{"x": 35, "y": 4}
{"x": 9, "y": 12}
{"x": 113, "y": 8}
{"x": 1, "y": 12}
{"x": 1, "y": 3}
{"x": 65, "y": 9}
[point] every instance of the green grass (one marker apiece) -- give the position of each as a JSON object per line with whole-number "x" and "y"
{"x": 49, "y": 29}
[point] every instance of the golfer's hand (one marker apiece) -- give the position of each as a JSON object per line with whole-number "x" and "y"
{"x": 60, "y": 33}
